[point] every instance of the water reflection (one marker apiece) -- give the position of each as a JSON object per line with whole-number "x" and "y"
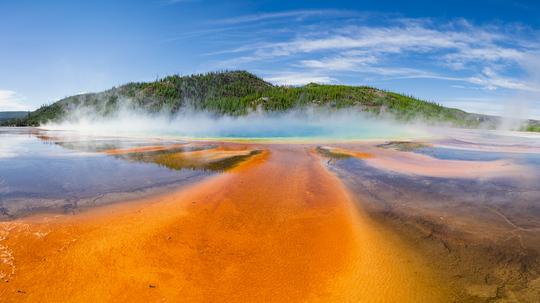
{"x": 51, "y": 171}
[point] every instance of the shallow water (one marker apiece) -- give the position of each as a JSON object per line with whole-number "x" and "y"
{"x": 476, "y": 155}
{"x": 39, "y": 174}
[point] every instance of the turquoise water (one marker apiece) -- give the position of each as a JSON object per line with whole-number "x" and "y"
{"x": 340, "y": 125}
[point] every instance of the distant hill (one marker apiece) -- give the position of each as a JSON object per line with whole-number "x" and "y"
{"x": 238, "y": 92}
{"x": 10, "y": 115}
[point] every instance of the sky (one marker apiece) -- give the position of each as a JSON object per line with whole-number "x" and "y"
{"x": 480, "y": 56}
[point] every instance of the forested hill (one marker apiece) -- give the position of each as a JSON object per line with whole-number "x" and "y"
{"x": 238, "y": 92}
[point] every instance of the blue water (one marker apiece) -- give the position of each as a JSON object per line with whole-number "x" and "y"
{"x": 473, "y": 155}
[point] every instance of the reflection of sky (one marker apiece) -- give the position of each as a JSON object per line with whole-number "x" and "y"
{"x": 486, "y": 145}
{"x": 11, "y": 147}
{"x": 32, "y": 168}
{"x": 516, "y": 197}
{"x": 495, "y": 138}
{"x": 25, "y": 145}
{"x": 474, "y": 155}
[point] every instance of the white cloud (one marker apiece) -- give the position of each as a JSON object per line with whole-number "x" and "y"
{"x": 485, "y": 53}
{"x": 297, "y": 14}
{"x": 497, "y": 106}
{"x": 11, "y": 101}
{"x": 491, "y": 80}
{"x": 339, "y": 63}
{"x": 468, "y": 54}
{"x": 375, "y": 39}
{"x": 485, "y": 106}
{"x": 180, "y": 1}
{"x": 405, "y": 36}
{"x": 293, "y": 79}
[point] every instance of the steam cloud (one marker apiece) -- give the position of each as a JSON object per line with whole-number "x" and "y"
{"x": 301, "y": 123}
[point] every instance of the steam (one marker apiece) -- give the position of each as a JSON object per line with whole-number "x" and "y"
{"x": 310, "y": 123}
{"x": 523, "y": 105}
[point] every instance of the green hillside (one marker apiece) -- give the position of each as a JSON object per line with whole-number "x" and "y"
{"x": 238, "y": 92}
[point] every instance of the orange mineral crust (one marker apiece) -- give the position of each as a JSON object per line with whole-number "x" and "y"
{"x": 277, "y": 228}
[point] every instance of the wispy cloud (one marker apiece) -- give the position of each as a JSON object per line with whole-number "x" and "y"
{"x": 180, "y": 1}
{"x": 293, "y": 78}
{"x": 297, "y": 14}
{"x": 483, "y": 56}
{"x": 491, "y": 80}
{"x": 11, "y": 101}
{"x": 339, "y": 63}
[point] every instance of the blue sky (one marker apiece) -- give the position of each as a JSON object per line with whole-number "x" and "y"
{"x": 481, "y": 56}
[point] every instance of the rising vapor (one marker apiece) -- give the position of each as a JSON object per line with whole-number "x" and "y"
{"x": 316, "y": 123}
